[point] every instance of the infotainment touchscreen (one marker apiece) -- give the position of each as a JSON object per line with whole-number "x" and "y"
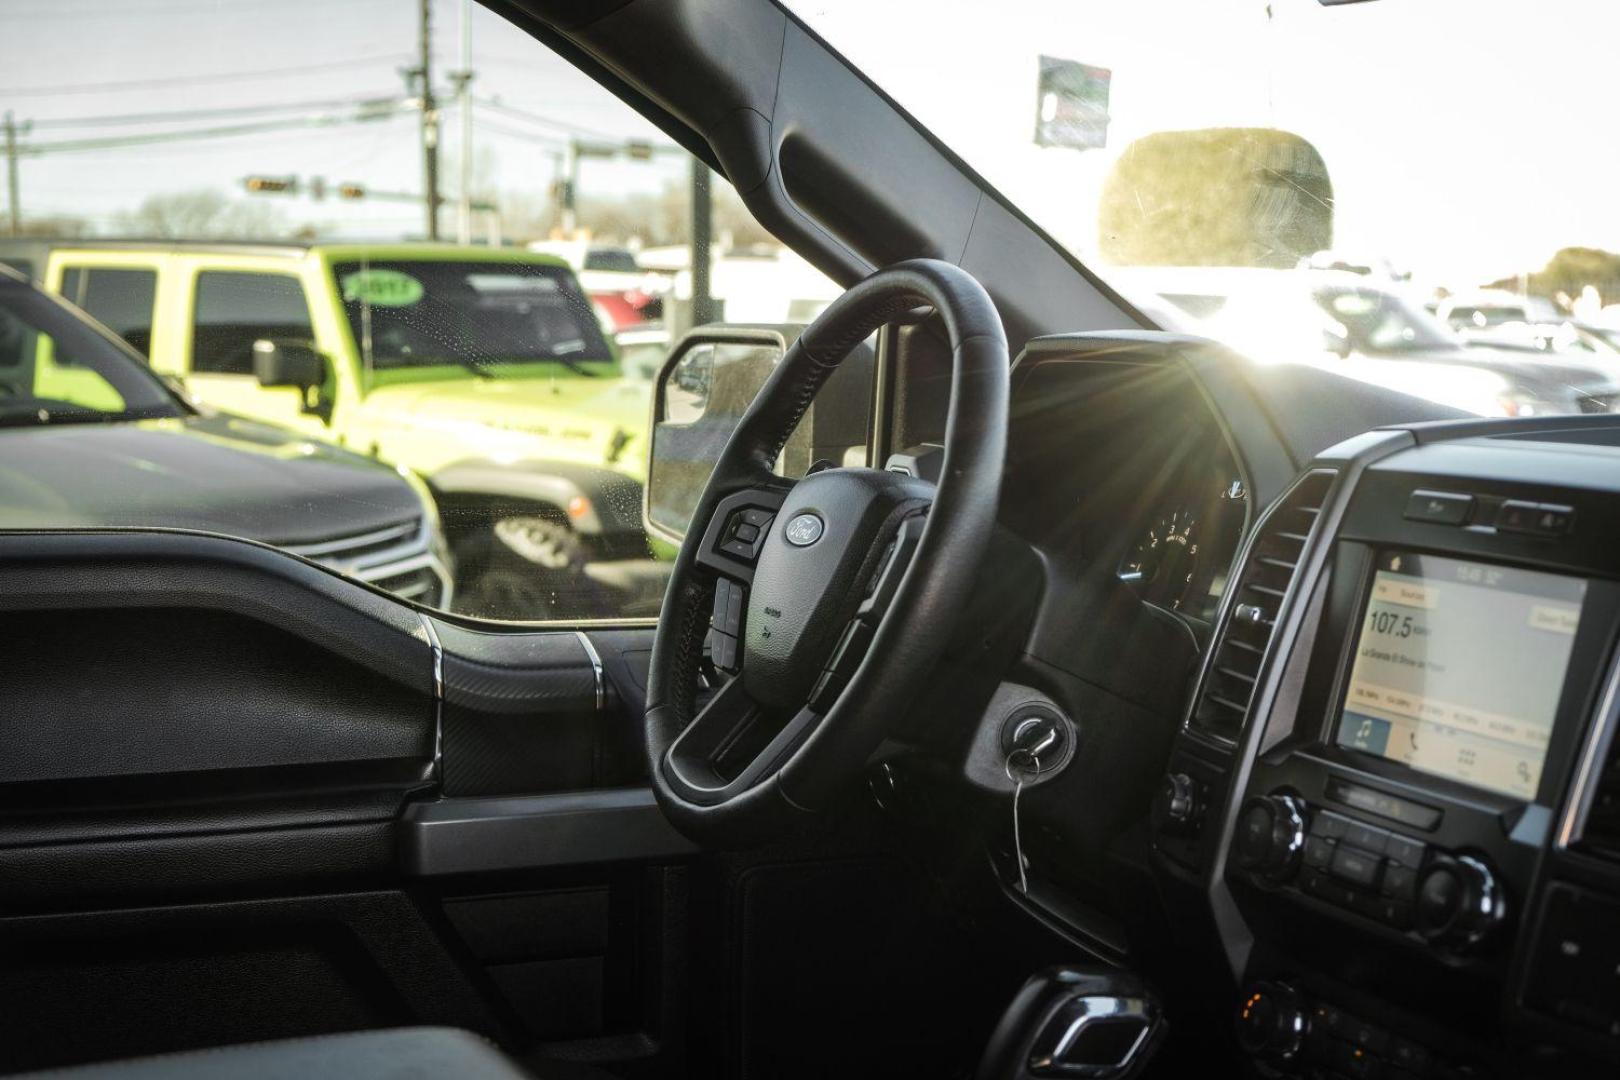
{"x": 1459, "y": 667}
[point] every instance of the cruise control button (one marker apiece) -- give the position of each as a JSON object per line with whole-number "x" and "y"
{"x": 1439, "y": 507}
{"x": 723, "y": 650}
{"x": 747, "y": 533}
{"x": 756, "y": 517}
{"x": 738, "y": 548}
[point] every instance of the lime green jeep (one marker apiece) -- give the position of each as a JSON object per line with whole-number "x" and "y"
{"x": 482, "y": 370}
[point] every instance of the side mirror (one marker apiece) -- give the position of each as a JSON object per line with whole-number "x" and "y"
{"x": 288, "y": 363}
{"x": 1336, "y": 341}
{"x": 707, "y": 383}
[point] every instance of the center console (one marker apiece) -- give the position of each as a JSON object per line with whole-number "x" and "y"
{"x": 1397, "y": 785}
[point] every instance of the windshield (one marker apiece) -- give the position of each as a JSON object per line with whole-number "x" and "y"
{"x": 1401, "y": 144}
{"x": 1377, "y": 321}
{"x": 406, "y": 314}
{"x": 57, "y": 369}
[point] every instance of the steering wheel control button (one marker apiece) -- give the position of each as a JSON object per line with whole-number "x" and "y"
{"x": 1439, "y": 507}
{"x": 745, "y": 533}
{"x": 723, "y": 651}
{"x": 804, "y": 530}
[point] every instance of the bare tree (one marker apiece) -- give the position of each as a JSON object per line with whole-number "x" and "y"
{"x": 203, "y": 213}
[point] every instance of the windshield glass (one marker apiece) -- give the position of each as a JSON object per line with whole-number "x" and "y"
{"x": 1406, "y": 147}
{"x": 420, "y": 314}
{"x": 57, "y": 369}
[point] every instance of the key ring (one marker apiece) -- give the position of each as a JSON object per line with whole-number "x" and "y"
{"x": 1033, "y": 770}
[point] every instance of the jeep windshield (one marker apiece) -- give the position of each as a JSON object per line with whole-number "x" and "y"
{"x": 1299, "y": 137}
{"x": 479, "y": 315}
{"x": 56, "y": 368}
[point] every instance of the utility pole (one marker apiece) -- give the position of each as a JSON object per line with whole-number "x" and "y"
{"x": 569, "y": 193}
{"x": 463, "y": 80}
{"x": 702, "y": 227}
{"x": 13, "y": 129}
{"x": 430, "y": 124}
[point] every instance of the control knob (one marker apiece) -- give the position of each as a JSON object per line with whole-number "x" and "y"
{"x": 1179, "y": 804}
{"x": 1270, "y": 836}
{"x": 1459, "y": 902}
{"x": 1272, "y": 1022}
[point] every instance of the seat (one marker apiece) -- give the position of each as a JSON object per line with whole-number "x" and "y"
{"x": 421, "y": 1053}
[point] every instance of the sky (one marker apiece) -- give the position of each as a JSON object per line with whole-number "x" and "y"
{"x": 63, "y": 62}
{"x": 1466, "y": 139}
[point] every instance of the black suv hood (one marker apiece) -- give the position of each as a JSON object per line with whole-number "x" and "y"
{"x": 1550, "y": 373}
{"x": 212, "y": 473}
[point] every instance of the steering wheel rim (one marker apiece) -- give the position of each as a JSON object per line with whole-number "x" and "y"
{"x": 808, "y": 598}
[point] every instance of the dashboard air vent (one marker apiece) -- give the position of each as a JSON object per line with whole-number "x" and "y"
{"x": 1262, "y": 582}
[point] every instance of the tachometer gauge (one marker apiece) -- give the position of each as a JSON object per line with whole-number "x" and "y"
{"x": 1164, "y": 563}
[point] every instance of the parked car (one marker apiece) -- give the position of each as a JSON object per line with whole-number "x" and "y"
{"x": 623, "y": 292}
{"x": 481, "y": 370}
{"x": 1351, "y": 325}
{"x": 90, "y": 438}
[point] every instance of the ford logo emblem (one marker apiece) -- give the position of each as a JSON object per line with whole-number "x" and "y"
{"x": 803, "y": 530}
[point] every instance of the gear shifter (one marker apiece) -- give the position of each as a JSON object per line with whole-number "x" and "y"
{"x": 1073, "y": 1022}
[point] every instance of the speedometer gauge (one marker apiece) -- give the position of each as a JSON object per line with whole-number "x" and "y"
{"x": 1164, "y": 563}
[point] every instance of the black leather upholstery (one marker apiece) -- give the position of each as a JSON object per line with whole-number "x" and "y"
{"x": 397, "y": 1054}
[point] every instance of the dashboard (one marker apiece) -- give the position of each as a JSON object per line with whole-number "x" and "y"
{"x": 1363, "y": 671}
{"x": 1403, "y": 818}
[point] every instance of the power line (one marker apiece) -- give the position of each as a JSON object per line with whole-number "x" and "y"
{"x": 62, "y": 146}
{"x": 551, "y": 122}
{"x": 214, "y": 7}
{"x": 182, "y": 115}
{"x": 192, "y": 80}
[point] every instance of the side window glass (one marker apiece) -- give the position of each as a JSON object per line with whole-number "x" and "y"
{"x": 235, "y": 309}
{"x": 504, "y": 275}
{"x": 121, "y": 299}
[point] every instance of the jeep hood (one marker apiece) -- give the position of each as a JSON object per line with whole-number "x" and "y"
{"x": 214, "y": 473}
{"x": 575, "y": 418}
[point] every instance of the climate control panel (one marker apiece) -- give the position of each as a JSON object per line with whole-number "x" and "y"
{"x": 1452, "y": 899}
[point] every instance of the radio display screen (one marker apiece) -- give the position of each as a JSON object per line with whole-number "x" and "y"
{"x": 1459, "y": 667}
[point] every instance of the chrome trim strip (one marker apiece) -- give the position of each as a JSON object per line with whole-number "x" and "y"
{"x": 437, "y": 768}
{"x": 1593, "y": 757}
{"x": 346, "y": 543}
{"x": 596, "y": 666}
{"x": 403, "y": 566}
{"x": 1096, "y": 1009}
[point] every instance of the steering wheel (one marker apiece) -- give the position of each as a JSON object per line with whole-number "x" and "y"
{"x": 831, "y": 598}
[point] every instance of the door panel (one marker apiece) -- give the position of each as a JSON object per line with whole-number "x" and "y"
{"x": 244, "y": 797}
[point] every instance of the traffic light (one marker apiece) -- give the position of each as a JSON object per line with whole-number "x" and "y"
{"x": 272, "y": 185}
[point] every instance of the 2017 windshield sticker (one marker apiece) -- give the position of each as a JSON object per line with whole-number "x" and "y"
{"x": 381, "y": 288}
